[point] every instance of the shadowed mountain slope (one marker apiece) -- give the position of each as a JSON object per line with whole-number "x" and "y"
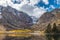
{"x": 13, "y": 19}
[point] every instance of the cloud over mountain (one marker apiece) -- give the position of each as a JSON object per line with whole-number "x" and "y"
{"x": 32, "y": 7}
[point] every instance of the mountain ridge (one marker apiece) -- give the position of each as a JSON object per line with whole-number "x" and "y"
{"x": 46, "y": 18}
{"x": 14, "y": 19}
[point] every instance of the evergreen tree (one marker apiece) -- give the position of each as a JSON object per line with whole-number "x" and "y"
{"x": 54, "y": 28}
{"x": 58, "y": 28}
{"x": 48, "y": 30}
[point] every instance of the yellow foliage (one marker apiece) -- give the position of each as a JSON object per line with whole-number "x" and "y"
{"x": 20, "y": 31}
{"x": 20, "y": 35}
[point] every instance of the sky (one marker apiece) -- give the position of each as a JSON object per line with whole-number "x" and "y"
{"x": 34, "y": 8}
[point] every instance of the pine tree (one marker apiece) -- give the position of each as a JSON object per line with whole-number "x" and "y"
{"x": 54, "y": 28}
{"x": 48, "y": 30}
{"x": 58, "y": 28}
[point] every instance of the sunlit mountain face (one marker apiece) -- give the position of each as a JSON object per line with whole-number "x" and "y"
{"x": 34, "y": 8}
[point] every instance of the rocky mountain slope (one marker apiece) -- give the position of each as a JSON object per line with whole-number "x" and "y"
{"x": 46, "y": 18}
{"x": 14, "y": 19}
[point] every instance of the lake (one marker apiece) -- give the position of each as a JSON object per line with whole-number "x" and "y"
{"x": 28, "y": 37}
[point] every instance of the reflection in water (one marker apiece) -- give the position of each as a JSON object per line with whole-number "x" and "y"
{"x": 53, "y": 37}
{"x": 17, "y": 38}
{"x": 21, "y": 37}
{"x": 28, "y": 37}
{"x": 2, "y": 36}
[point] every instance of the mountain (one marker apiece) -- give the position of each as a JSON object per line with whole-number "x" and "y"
{"x": 46, "y": 18}
{"x": 14, "y": 19}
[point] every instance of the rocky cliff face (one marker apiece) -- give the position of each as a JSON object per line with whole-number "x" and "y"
{"x": 13, "y": 19}
{"x": 46, "y": 18}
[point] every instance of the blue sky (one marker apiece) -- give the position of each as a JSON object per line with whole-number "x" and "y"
{"x": 51, "y": 2}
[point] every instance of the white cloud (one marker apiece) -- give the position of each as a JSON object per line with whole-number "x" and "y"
{"x": 46, "y": 1}
{"x": 3, "y": 3}
{"x": 18, "y": 1}
{"x": 38, "y": 12}
{"x": 10, "y": 3}
{"x": 52, "y": 6}
{"x": 33, "y": 10}
{"x": 28, "y": 9}
{"x": 17, "y": 6}
{"x": 58, "y": 1}
{"x": 33, "y": 2}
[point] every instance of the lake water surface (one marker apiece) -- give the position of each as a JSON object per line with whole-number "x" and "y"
{"x": 28, "y": 37}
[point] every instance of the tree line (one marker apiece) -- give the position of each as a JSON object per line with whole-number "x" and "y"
{"x": 52, "y": 32}
{"x": 51, "y": 29}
